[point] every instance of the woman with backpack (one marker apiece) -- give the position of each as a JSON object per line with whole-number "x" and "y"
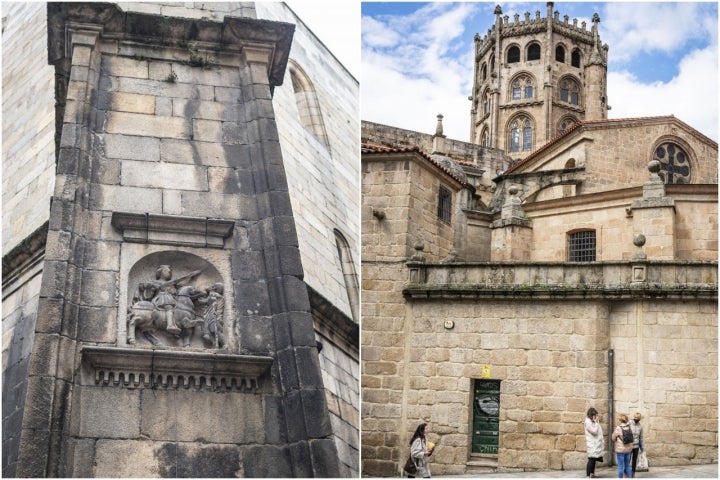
{"x": 623, "y": 438}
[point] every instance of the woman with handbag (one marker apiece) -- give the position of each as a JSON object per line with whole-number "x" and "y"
{"x": 419, "y": 453}
{"x": 594, "y": 441}
{"x": 637, "y": 431}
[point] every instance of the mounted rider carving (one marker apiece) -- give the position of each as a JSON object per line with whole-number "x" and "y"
{"x": 155, "y": 297}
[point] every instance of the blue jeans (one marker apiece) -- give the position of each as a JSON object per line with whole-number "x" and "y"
{"x": 623, "y": 460}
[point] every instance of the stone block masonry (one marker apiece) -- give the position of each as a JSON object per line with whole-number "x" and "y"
{"x": 254, "y": 403}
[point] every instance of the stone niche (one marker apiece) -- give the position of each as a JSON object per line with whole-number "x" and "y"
{"x": 175, "y": 299}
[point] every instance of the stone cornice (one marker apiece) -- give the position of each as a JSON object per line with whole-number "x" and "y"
{"x": 23, "y": 256}
{"x": 563, "y": 280}
{"x": 332, "y": 322}
{"x": 172, "y": 229}
{"x": 159, "y": 368}
{"x": 232, "y": 35}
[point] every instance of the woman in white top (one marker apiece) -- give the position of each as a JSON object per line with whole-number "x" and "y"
{"x": 594, "y": 440}
{"x": 420, "y": 452}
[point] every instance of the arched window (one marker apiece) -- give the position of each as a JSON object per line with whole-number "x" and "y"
{"x": 483, "y": 71}
{"x": 349, "y": 275}
{"x": 486, "y": 102}
{"x": 522, "y": 87}
{"x": 533, "y": 51}
{"x": 307, "y": 104}
{"x": 513, "y": 54}
{"x": 565, "y": 123}
{"x": 492, "y": 63}
{"x": 575, "y": 58}
{"x": 485, "y": 138}
{"x": 560, "y": 54}
{"x": 674, "y": 163}
{"x": 520, "y": 134}
{"x": 570, "y": 91}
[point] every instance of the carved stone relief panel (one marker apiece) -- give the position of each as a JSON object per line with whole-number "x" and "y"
{"x": 175, "y": 299}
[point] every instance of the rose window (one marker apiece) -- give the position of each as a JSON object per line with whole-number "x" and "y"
{"x": 674, "y": 163}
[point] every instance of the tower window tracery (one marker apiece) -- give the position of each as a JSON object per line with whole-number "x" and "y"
{"x": 513, "y": 54}
{"x": 674, "y": 163}
{"x": 533, "y": 51}
{"x": 560, "y": 54}
{"x": 570, "y": 91}
{"x": 575, "y": 58}
{"x": 565, "y": 123}
{"x": 520, "y": 134}
{"x": 522, "y": 87}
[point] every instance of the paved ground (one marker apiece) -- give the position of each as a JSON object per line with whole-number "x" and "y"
{"x": 687, "y": 471}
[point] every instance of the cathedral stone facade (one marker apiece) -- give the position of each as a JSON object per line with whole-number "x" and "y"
{"x": 507, "y": 292}
{"x": 158, "y": 319}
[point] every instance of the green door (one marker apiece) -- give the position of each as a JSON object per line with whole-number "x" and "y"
{"x": 486, "y": 416}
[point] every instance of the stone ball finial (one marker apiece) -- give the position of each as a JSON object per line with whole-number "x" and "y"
{"x": 639, "y": 240}
{"x": 654, "y": 166}
{"x": 498, "y": 10}
{"x": 513, "y": 190}
{"x": 595, "y": 17}
{"x": 419, "y": 246}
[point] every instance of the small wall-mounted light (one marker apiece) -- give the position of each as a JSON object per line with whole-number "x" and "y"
{"x": 449, "y": 324}
{"x": 379, "y": 214}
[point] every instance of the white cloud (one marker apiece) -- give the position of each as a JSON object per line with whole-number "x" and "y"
{"x": 634, "y": 28}
{"x": 692, "y": 96}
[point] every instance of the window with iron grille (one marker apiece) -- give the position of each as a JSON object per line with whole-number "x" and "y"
{"x": 444, "y": 204}
{"x": 581, "y": 246}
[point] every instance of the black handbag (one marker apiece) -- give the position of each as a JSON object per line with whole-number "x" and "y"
{"x": 410, "y": 467}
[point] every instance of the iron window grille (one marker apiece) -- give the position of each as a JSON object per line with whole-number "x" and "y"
{"x": 444, "y": 204}
{"x": 581, "y": 246}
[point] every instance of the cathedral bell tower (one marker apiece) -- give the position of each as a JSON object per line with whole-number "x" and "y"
{"x": 535, "y": 78}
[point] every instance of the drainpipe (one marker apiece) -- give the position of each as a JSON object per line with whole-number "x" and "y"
{"x": 611, "y": 402}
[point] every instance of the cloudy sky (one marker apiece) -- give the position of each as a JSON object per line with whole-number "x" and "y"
{"x": 417, "y": 60}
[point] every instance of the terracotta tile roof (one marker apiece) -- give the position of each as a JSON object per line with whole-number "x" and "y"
{"x": 374, "y": 148}
{"x": 583, "y": 123}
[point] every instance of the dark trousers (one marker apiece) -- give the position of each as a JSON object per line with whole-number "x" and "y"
{"x": 590, "y": 468}
{"x": 635, "y": 455}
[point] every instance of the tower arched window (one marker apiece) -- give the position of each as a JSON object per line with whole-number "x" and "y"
{"x": 674, "y": 163}
{"x": 575, "y": 58}
{"x": 522, "y": 87}
{"x": 560, "y": 54}
{"x": 308, "y": 104}
{"x": 533, "y": 51}
{"x": 485, "y": 138}
{"x": 570, "y": 91}
{"x": 513, "y": 54}
{"x": 492, "y": 63}
{"x": 520, "y": 134}
{"x": 483, "y": 71}
{"x": 349, "y": 275}
{"x": 565, "y": 123}
{"x": 486, "y": 102}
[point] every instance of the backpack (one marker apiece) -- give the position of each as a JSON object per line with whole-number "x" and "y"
{"x": 627, "y": 435}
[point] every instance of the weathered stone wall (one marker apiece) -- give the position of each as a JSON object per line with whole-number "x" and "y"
{"x": 322, "y": 180}
{"x": 28, "y": 148}
{"x": 666, "y": 369}
{"x": 551, "y": 356}
{"x": 19, "y": 310}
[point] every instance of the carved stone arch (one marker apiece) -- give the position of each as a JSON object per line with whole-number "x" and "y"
{"x": 533, "y": 51}
{"x": 521, "y": 120}
{"x": 523, "y": 79}
{"x": 307, "y": 103}
{"x": 349, "y": 275}
{"x": 512, "y": 53}
{"x": 191, "y": 270}
{"x": 566, "y": 122}
{"x": 567, "y": 87}
{"x": 676, "y": 166}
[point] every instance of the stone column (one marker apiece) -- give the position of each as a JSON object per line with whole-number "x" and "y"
{"x": 654, "y": 217}
{"x": 511, "y": 237}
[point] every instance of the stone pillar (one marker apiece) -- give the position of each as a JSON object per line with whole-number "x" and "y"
{"x": 654, "y": 217}
{"x": 511, "y": 237}
{"x": 174, "y": 336}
